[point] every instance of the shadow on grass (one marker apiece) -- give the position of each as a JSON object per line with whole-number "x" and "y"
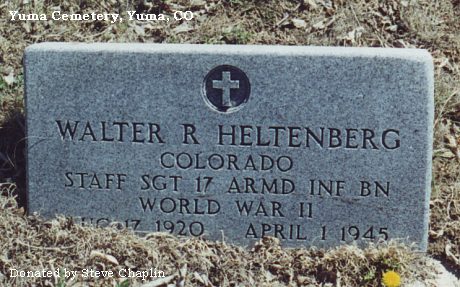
{"x": 448, "y": 264}
{"x": 12, "y": 154}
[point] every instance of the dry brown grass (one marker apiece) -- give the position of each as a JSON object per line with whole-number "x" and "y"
{"x": 432, "y": 25}
{"x": 30, "y": 243}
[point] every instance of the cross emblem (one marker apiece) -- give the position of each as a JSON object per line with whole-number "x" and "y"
{"x": 225, "y": 85}
{"x": 226, "y": 89}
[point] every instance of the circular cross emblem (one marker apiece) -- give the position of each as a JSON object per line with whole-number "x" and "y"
{"x": 226, "y": 89}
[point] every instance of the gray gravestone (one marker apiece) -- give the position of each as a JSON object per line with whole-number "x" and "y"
{"x": 313, "y": 145}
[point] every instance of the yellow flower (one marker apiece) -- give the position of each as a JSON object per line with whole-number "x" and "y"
{"x": 391, "y": 279}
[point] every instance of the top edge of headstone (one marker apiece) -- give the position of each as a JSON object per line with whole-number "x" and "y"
{"x": 407, "y": 53}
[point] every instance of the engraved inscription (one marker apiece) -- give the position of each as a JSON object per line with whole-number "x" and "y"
{"x": 185, "y": 190}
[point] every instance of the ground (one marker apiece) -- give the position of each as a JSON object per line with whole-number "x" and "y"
{"x": 28, "y": 242}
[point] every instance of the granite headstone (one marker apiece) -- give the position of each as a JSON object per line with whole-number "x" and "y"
{"x": 312, "y": 145}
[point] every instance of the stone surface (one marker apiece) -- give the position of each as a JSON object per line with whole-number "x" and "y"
{"x": 313, "y": 145}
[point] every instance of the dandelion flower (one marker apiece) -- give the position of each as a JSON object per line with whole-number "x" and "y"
{"x": 391, "y": 279}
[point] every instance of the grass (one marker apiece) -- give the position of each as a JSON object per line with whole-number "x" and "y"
{"x": 433, "y": 25}
{"x": 31, "y": 243}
